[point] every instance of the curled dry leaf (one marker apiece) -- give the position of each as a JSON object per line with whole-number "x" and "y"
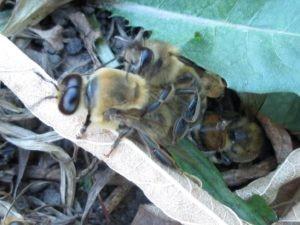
{"x": 23, "y": 157}
{"x": 13, "y": 214}
{"x": 292, "y": 217}
{"x": 28, "y": 13}
{"x": 235, "y": 177}
{"x": 287, "y": 197}
{"x": 149, "y": 214}
{"x": 95, "y": 190}
{"x": 17, "y": 117}
{"x": 53, "y": 36}
{"x": 11, "y": 107}
{"x": 269, "y": 185}
{"x": 118, "y": 194}
{"x": 26, "y": 140}
{"x": 279, "y": 137}
{"x": 177, "y": 196}
{"x": 87, "y": 34}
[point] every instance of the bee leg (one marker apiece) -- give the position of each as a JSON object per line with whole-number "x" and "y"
{"x": 192, "y": 114}
{"x": 185, "y": 91}
{"x": 193, "y": 110}
{"x": 139, "y": 126}
{"x": 163, "y": 96}
{"x": 83, "y": 129}
{"x": 180, "y": 129}
{"x": 196, "y": 106}
{"x": 123, "y": 133}
{"x": 156, "y": 150}
{"x": 111, "y": 30}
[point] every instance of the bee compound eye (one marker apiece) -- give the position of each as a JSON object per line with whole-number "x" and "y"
{"x": 70, "y": 101}
{"x": 146, "y": 57}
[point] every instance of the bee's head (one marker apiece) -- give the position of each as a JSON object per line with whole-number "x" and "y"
{"x": 69, "y": 93}
{"x": 135, "y": 53}
{"x": 143, "y": 58}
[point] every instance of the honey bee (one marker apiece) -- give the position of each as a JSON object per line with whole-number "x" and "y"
{"x": 229, "y": 138}
{"x": 159, "y": 96}
{"x": 162, "y": 66}
{"x": 121, "y": 103}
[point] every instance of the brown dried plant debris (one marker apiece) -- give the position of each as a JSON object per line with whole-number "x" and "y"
{"x": 53, "y": 36}
{"x": 87, "y": 34}
{"x": 279, "y": 137}
{"x": 149, "y": 214}
{"x": 240, "y": 176}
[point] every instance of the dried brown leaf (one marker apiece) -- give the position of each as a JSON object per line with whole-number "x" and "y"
{"x": 23, "y": 157}
{"x": 16, "y": 131}
{"x": 279, "y": 137}
{"x": 26, "y": 140}
{"x": 95, "y": 190}
{"x": 149, "y": 214}
{"x": 27, "y": 13}
{"x": 16, "y": 114}
{"x": 87, "y": 34}
{"x": 292, "y": 218}
{"x": 13, "y": 214}
{"x": 17, "y": 117}
{"x": 114, "y": 199}
{"x": 11, "y": 107}
{"x": 287, "y": 197}
{"x": 235, "y": 177}
{"x": 52, "y": 215}
{"x": 269, "y": 185}
{"x": 53, "y": 36}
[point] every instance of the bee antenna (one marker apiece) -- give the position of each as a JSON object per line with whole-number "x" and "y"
{"x": 49, "y": 81}
{"x": 41, "y": 100}
{"x": 104, "y": 64}
{"x": 126, "y": 40}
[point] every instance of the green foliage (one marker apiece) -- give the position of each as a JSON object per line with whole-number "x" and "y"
{"x": 193, "y": 162}
{"x": 281, "y": 108}
{"x": 4, "y": 16}
{"x": 254, "y": 45}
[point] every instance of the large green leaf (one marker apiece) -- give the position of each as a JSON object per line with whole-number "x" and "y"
{"x": 4, "y": 16}
{"x": 254, "y": 45}
{"x": 281, "y": 108}
{"x": 193, "y": 162}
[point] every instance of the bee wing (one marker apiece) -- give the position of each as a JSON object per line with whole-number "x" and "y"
{"x": 200, "y": 70}
{"x": 213, "y": 84}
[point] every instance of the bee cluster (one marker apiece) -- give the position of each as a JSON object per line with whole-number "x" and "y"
{"x": 161, "y": 97}
{"x": 186, "y": 100}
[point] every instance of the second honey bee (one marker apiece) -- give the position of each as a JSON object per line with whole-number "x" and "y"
{"x": 229, "y": 138}
{"x": 163, "y": 67}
